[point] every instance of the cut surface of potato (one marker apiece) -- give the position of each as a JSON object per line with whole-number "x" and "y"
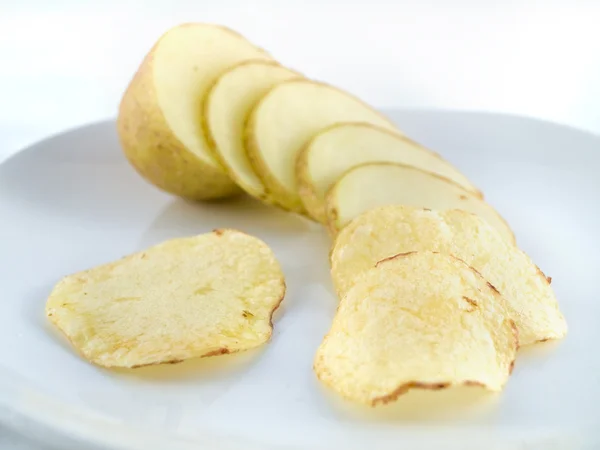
{"x": 341, "y": 147}
{"x": 160, "y": 123}
{"x": 386, "y": 231}
{"x": 420, "y": 320}
{"x": 185, "y": 298}
{"x": 373, "y": 185}
{"x": 226, "y": 109}
{"x": 284, "y": 121}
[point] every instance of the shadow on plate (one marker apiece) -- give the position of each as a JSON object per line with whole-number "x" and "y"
{"x": 418, "y": 405}
{"x": 185, "y": 218}
{"x": 196, "y": 369}
{"x": 538, "y": 353}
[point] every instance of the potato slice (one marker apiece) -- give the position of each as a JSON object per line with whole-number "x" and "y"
{"x": 160, "y": 115}
{"x": 417, "y": 321}
{"x": 341, "y": 147}
{"x": 185, "y": 298}
{"x": 284, "y": 121}
{"x": 386, "y": 231}
{"x": 379, "y": 184}
{"x": 226, "y": 109}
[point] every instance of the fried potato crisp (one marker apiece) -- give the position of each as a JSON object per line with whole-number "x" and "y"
{"x": 185, "y": 298}
{"x": 386, "y": 231}
{"x": 418, "y": 320}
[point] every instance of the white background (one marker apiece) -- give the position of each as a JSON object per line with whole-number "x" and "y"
{"x": 65, "y": 63}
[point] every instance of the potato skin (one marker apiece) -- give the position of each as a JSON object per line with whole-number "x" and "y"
{"x": 210, "y": 138}
{"x": 273, "y": 188}
{"x": 156, "y": 153}
{"x": 306, "y": 191}
{"x": 276, "y": 192}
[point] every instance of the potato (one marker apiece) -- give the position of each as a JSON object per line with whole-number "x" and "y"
{"x": 185, "y": 298}
{"x": 160, "y": 115}
{"x": 285, "y": 120}
{"x": 387, "y": 231}
{"x": 419, "y": 320}
{"x": 226, "y": 109}
{"x": 341, "y": 147}
{"x": 379, "y": 184}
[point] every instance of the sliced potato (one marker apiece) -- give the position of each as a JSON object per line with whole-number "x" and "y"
{"x": 226, "y": 109}
{"x": 284, "y": 121}
{"x": 341, "y": 147}
{"x": 387, "y": 231}
{"x": 185, "y": 298}
{"x": 372, "y": 185}
{"x": 417, "y": 321}
{"x": 160, "y": 115}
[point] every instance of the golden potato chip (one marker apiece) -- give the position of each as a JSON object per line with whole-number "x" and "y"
{"x": 185, "y": 298}
{"x": 386, "y": 231}
{"x": 420, "y": 320}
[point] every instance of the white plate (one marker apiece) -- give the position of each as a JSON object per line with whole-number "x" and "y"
{"x": 72, "y": 201}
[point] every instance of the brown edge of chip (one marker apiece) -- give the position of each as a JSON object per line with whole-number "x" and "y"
{"x": 543, "y": 275}
{"x": 473, "y": 383}
{"x": 278, "y": 304}
{"x": 515, "y": 331}
{"x": 397, "y": 255}
{"x": 217, "y": 352}
{"x": 473, "y": 304}
{"x": 400, "y": 255}
{"x": 513, "y": 325}
{"x": 490, "y": 285}
{"x": 157, "y": 363}
{"x": 404, "y": 388}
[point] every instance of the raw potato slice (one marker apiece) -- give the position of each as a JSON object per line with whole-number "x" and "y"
{"x": 341, "y": 147}
{"x": 417, "y": 321}
{"x": 185, "y": 298}
{"x": 284, "y": 121}
{"x": 160, "y": 123}
{"x": 226, "y": 109}
{"x": 386, "y": 231}
{"x": 379, "y": 184}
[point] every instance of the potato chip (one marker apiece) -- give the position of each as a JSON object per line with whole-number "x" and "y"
{"x": 420, "y": 320}
{"x": 386, "y": 231}
{"x": 185, "y": 298}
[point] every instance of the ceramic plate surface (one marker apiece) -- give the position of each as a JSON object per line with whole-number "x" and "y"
{"x": 72, "y": 201}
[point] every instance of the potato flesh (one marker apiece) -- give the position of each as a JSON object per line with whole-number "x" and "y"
{"x": 386, "y": 231}
{"x": 227, "y": 107}
{"x": 286, "y": 119}
{"x": 185, "y": 298}
{"x": 187, "y": 60}
{"x": 380, "y": 184}
{"x": 335, "y": 151}
{"x": 417, "y": 320}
